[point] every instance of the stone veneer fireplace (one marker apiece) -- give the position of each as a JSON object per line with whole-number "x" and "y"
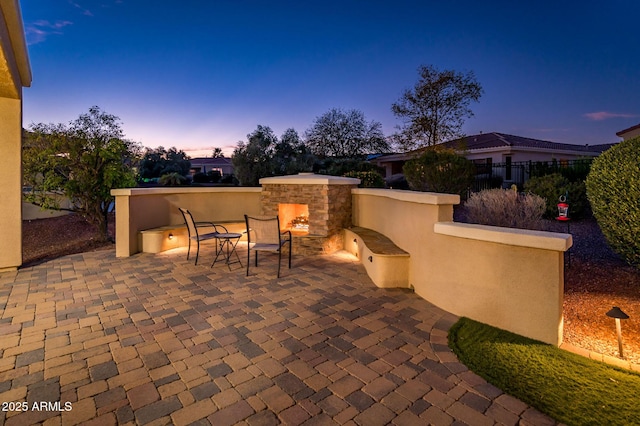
{"x": 316, "y": 208}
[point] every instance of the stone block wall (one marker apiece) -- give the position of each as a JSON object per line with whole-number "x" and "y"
{"x": 329, "y": 212}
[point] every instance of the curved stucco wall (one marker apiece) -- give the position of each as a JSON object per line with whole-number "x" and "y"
{"x": 138, "y": 209}
{"x": 511, "y": 279}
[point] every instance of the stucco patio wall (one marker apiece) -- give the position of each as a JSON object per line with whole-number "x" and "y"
{"x": 146, "y": 208}
{"x": 511, "y": 279}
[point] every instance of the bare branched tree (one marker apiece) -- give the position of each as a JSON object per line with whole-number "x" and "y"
{"x": 435, "y": 109}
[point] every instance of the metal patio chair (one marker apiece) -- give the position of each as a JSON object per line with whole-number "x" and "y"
{"x": 263, "y": 234}
{"x": 195, "y": 235}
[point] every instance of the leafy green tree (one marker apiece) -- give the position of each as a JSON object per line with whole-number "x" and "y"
{"x": 341, "y": 166}
{"x": 252, "y": 160}
{"x": 440, "y": 170}
{"x": 264, "y": 155}
{"x": 435, "y": 109}
{"x": 82, "y": 161}
{"x": 291, "y": 155}
{"x": 368, "y": 179}
{"x": 339, "y": 133}
{"x": 159, "y": 161}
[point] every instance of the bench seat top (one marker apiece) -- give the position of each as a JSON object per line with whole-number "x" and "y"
{"x": 377, "y": 243}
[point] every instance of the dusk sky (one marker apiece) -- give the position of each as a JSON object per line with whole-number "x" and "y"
{"x": 203, "y": 74}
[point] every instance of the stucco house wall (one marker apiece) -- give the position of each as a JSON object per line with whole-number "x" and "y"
{"x": 630, "y": 133}
{"x": 15, "y": 73}
{"x": 205, "y": 165}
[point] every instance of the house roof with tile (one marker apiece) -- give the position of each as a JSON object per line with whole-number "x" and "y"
{"x": 495, "y": 141}
{"x": 499, "y": 140}
{"x": 210, "y": 161}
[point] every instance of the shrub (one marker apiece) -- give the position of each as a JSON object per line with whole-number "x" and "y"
{"x": 172, "y": 179}
{"x": 200, "y": 178}
{"x": 551, "y": 187}
{"x": 574, "y": 171}
{"x": 440, "y": 170}
{"x": 613, "y": 189}
{"x": 229, "y": 179}
{"x": 505, "y": 207}
{"x": 341, "y": 166}
{"x": 397, "y": 181}
{"x": 214, "y": 176}
{"x": 367, "y": 179}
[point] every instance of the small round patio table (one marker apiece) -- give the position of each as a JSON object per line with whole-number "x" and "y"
{"x": 227, "y": 248}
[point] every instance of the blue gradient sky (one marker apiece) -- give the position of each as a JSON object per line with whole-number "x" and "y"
{"x": 204, "y": 74}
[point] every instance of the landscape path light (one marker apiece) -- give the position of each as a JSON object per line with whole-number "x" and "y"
{"x": 618, "y": 314}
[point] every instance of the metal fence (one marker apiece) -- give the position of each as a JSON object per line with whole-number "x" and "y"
{"x": 503, "y": 175}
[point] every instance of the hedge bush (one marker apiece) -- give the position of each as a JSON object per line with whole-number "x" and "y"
{"x": 173, "y": 179}
{"x": 551, "y": 187}
{"x": 367, "y": 179}
{"x": 574, "y": 171}
{"x": 613, "y": 189}
{"x": 341, "y": 166}
{"x": 440, "y": 170}
{"x": 505, "y": 207}
{"x": 200, "y": 178}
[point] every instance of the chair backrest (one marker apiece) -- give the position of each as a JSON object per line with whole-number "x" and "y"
{"x": 188, "y": 220}
{"x": 263, "y": 229}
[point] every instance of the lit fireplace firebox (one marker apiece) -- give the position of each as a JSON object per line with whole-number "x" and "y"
{"x": 294, "y": 217}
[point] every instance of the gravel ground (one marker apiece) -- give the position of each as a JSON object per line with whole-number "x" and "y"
{"x": 596, "y": 279}
{"x": 45, "y": 239}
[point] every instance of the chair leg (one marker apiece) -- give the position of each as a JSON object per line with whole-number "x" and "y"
{"x": 198, "y": 252}
{"x": 279, "y": 260}
{"x": 289, "y": 254}
{"x": 256, "y": 258}
{"x": 189, "y": 249}
{"x": 248, "y": 258}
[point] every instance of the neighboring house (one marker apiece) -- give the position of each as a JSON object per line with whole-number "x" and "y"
{"x": 630, "y": 133}
{"x": 207, "y": 164}
{"x": 489, "y": 149}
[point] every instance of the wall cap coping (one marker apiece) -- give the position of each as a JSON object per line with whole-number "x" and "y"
{"x": 132, "y": 192}
{"x": 309, "y": 179}
{"x": 410, "y": 196}
{"x": 510, "y": 236}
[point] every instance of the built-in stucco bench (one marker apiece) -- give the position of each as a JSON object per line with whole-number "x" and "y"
{"x": 386, "y": 264}
{"x": 156, "y": 240}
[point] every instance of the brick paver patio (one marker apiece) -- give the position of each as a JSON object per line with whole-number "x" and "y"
{"x": 153, "y": 339}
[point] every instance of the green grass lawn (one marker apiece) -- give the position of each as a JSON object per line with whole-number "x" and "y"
{"x": 568, "y": 387}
